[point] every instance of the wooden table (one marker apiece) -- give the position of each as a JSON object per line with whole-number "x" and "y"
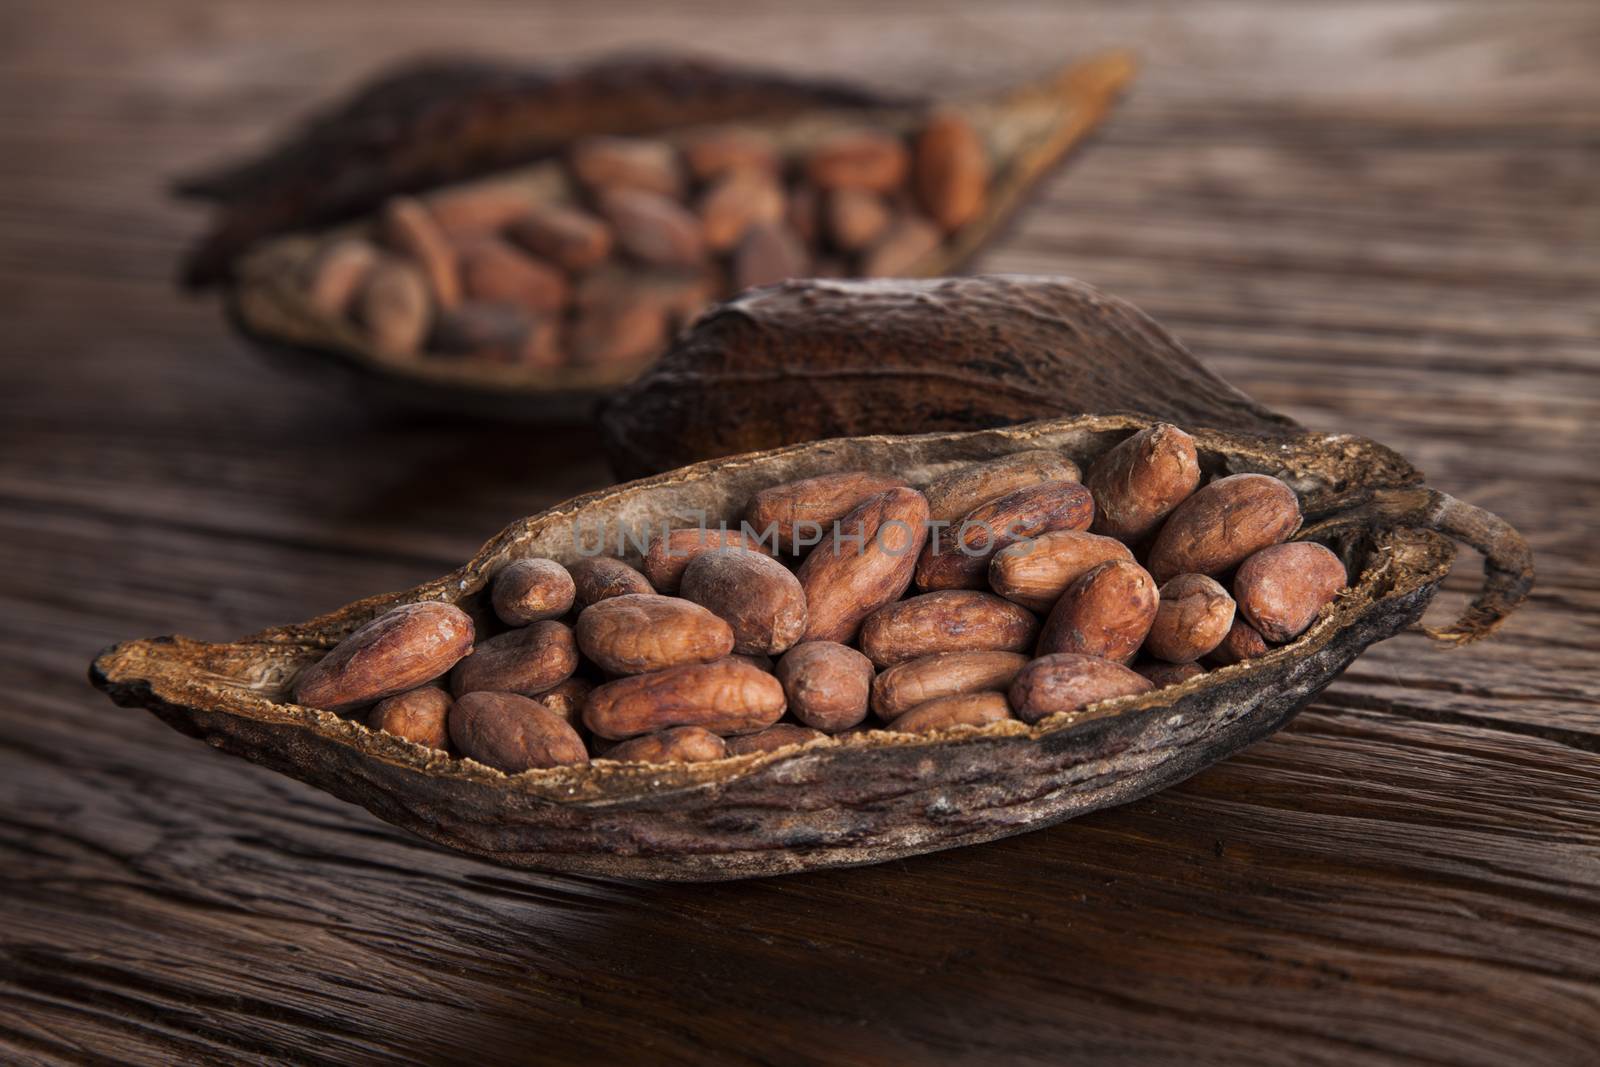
{"x": 1379, "y": 218}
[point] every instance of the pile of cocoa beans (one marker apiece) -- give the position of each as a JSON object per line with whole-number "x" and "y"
{"x": 645, "y": 234}
{"x": 1033, "y": 592}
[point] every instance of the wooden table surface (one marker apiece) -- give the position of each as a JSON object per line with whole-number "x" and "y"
{"x": 1381, "y": 218}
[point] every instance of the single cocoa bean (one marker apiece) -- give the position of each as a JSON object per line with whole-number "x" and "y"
{"x": 512, "y": 733}
{"x": 1070, "y": 682}
{"x": 864, "y": 564}
{"x": 1282, "y": 588}
{"x": 338, "y": 272}
{"x": 768, "y": 253}
{"x": 597, "y": 578}
{"x": 827, "y": 684}
{"x": 617, "y": 336}
{"x": 951, "y": 620}
{"x": 1141, "y": 480}
{"x": 680, "y": 744}
{"x": 1222, "y": 523}
{"x": 495, "y": 272}
{"x": 644, "y": 632}
{"x": 399, "y": 650}
{"x": 1164, "y": 674}
{"x": 671, "y": 555}
{"x": 797, "y": 514}
{"x": 964, "y": 709}
{"x": 1105, "y": 612}
{"x": 952, "y": 496}
{"x": 393, "y": 306}
{"x": 653, "y": 229}
{"x": 1243, "y": 642}
{"x": 952, "y": 170}
{"x": 902, "y": 248}
{"x": 736, "y": 202}
{"x": 1035, "y": 572}
{"x": 418, "y": 715}
{"x": 859, "y": 159}
{"x": 529, "y": 590}
{"x": 409, "y": 229}
{"x": 1195, "y": 615}
{"x": 479, "y": 209}
{"x": 781, "y": 735}
{"x": 526, "y": 661}
{"x": 566, "y": 699}
{"x": 565, "y": 236}
{"x": 959, "y": 557}
{"x": 725, "y": 697}
{"x": 607, "y": 162}
{"x": 943, "y": 674}
{"x": 856, "y": 218}
{"x": 711, "y": 154}
{"x": 753, "y": 593}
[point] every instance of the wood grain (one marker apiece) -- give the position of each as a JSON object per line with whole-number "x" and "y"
{"x": 1379, "y": 218}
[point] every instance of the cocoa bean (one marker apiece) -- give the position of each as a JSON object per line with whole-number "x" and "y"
{"x": 1282, "y": 588}
{"x": 827, "y": 684}
{"x": 1035, "y": 572}
{"x": 794, "y": 514}
{"x": 643, "y": 632}
{"x": 513, "y": 733}
{"x": 952, "y": 170}
{"x": 942, "y": 713}
{"x": 605, "y": 162}
{"x": 571, "y": 239}
{"x": 495, "y": 272}
{"x": 671, "y": 555}
{"x": 529, "y": 590}
{"x": 393, "y": 306}
{"x": 418, "y": 715}
{"x": 399, "y": 650}
{"x": 1105, "y": 612}
{"x": 943, "y": 674}
{"x": 864, "y": 564}
{"x": 337, "y": 273}
{"x": 1222, "y": 524}
{"x": 771, "y": 739}
{"x": 1141, "y": 480}
{"x": 566, "y": 699}
{"x": 959, "y": 557}
{"x": 653, "y": 229}
{"x": 856, "y": 218}
{"x": 1195, "y": 615}
{"x": 757, "y": 596}
{"x": 597, "y": 578}
{"x": 735, "y": 203}
{"x": 680, "y": 744}
{"x": 714, "y": 153}
{"x": 951, "y": 620}
{"x": 768, "y": 253}
{"x": 1070, "y": 682}
{"x": 1164, "y": 674}
{"x": 409, "y": 229}
{"x": 526, "y": 661}
{"x": 725, "y": 697}
{"x": 479, "y": 209}
{"x": 1243, "y": 642}
{"x": 951, "y": 496}
{"x": 902, "y": 248}
{"x": 859, "y": 159}
{"x": 617, "y": 336}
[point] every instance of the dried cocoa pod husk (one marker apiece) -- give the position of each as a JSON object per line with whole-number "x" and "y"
{"x": 419, "y": 715}
{"x": 943, "y": 674}
{"x": 680, "y": 744}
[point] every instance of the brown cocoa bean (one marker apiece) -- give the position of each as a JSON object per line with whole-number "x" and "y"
{"x": 399, "y": 650}
{"x": 418, "y": 715}
{"x": 566, "y": 699}
{"x": 1070, "y": 682}
{"x": 736, "y": 202}
{"x": 711, "y": 154}
{"x": 856, "y": 218}
{"x": 338, "y": 272}
{"x": 526, "y": 661}
{"x": 1141, "y": 480}
{"x": 753, "y": 593}
{"x": 1105, "y": 612}
{"x": 964, "y": 709}
{"x": 571, "y": 239}
{"x": 653, "y": 229}
{"x": 671, "y": 555}
{"x": 495, "y": 272}
{"x": 1035, "y": 572}
{"x": 1243, "y": 642}
{"x": 797, "y": 514}
{"x": 859, "y": 159}
{"x": 768, "y": 253}
{"x": 1195, "y": 615}
{"x": 1222, "y": 523}
{"x": 951, "y": 496}
{"x": 827, "y": 684}
{"x": 1282, "y": 588}
{"x": 944, "y": 674}
{"x": 1164, "y": 674}
{"x": 865, "y": 563}
{"x": 952, "y": 170}
{"x": 644, "y": 632}
{"x": 606, "y": 162}
{"x": 597, "y": 578}
{"x": 409, "y": 229}
{"x": 725, "y": 697}
{"x": 680, "y": 744}
{"x": 617, "y": 336}
{"x": 496, "y": 333}
{"x": 959, "y": 557}
{"x": 781, "y": 735}
{"x": 479, "y": 209}
{"x": 758, "y": 660}
{"x": 512, "y": 733}
{"x": 393, "y": 306}
{"x": 530, "y": 590}
{"x": 902, "y": 249}
{"x": 951, "y": 620}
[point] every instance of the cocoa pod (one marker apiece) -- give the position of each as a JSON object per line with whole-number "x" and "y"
{"x": 964, "y": 709}
{"x": 1138, "y": 483}
{"x": 856, "y": 218}
{"x": 393, "y": 306}
{"x": 1222, "y": 523}
{"x": 513, "y": 733}
{"x": 1163, "y": 674}
{"x": 418, "y": 715}
{"x": 943, "y": 674}
{"x": 643, "y": 632}
{"x": 905, "y": 246}
{"x": 1281, "y": 588}
{"x": 571, "y": 239}
{"x": 959, "y": 559}
{"x": 951, "y": 620}
{"x": 757, "y": 596}
{"x": 714, "y": 153}
{"x": 1105, "y": 612}
{"x": 606, "y": 162}
{"x": 1194, "y": 616}
{"x": 951, "y": 170}
{"x": 495, "y": 272}
{"x": 679, "y": 744}
{"x": 952, "y": 496}
{"x": 409, "y": 229}
{"x": 827, "y": 684}
{"x": 399, "y": 650}
{"x": 1242, "y": 642}
{"x": 653, "y": 229}
{"x": 337, "y": 273}
{"x": 597, "y": 578}
{"x": 669, "y": 556}
{"x": 769, "y": 253}
{"x": 530, "y": 590}
{"x": 797, "y": 514}
{"x": 737, "y": 202}
{"x": 866, "y": 563}
{"x": 526, "y": 661}
{"x": 772, "y": 738}
{"x": 725, "y": 697}
{"x": 566, "y": 699}
{"x": 1035, "y": 572}
{"x": 1067, "y": 681}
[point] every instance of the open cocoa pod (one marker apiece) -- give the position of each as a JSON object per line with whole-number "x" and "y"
{"x": 439, "y": 272}
{"x": 873, "y": 795}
